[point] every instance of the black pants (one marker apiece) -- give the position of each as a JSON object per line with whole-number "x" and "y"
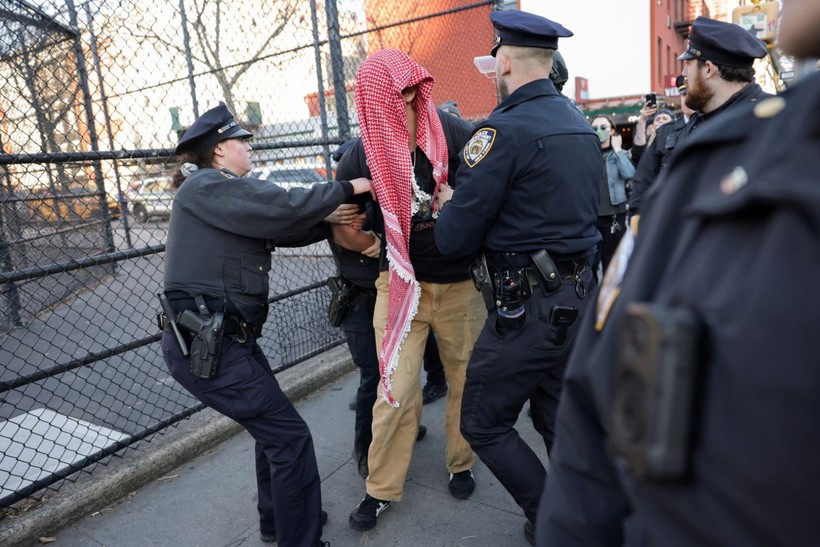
{"x": 287, "y": 477}
{"x": 361, "y": 341}
{"x": 507, "y": 368}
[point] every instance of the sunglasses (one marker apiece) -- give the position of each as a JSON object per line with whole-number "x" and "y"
{"x": 596, "y": 127}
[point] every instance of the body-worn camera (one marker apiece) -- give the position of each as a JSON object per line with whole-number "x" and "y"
{"x": 510, "y": 293}
{"x": 655, "y": 390}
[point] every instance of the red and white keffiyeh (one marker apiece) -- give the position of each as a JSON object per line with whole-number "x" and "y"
{"x": 383, "y": 120}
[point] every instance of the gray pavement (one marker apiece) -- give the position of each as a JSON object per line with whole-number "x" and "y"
{"x": 195, "y": 485}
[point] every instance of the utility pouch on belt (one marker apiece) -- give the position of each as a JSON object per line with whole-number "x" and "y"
{"x": 341, "y": 295}
{"x": 482, "y": 281}
{"x": 206, "y": 334}
{"x": 546, "y": 267}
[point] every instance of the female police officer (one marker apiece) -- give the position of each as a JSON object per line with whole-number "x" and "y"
{"x": 222, "y": 230}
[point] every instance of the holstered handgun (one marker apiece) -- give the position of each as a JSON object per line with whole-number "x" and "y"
{"x": 207, "y": 335}
{"x": 546, "y": 267}
{"x": 482, "y": 281}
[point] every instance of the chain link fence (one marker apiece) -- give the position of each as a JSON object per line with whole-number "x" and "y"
{"x": 95, "y": 94}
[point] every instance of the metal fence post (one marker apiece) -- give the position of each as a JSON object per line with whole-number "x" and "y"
{"x": 186, "y": 40}
{"x": 92, "y": 129}
{"x": 104, "y": 99}
{"x": 338, "y": 69}
{"x": 321, "y": 86}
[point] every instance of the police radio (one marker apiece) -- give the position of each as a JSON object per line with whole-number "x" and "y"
{"x": 655, "y": 390}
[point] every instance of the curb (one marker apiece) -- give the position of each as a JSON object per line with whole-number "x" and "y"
{"x": 135, "y": 468}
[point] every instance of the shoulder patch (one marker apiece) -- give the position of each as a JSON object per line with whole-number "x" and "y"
{"x": 479, "y": 146}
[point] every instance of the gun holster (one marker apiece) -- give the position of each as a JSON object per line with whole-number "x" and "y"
{"x": 206, "y": 334}
{"x": 482, "y": 281}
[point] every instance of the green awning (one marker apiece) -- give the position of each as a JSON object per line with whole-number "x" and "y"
{"x": 613, "y": 110}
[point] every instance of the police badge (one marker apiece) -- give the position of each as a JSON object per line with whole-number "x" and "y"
{"x": 479, "y": 146}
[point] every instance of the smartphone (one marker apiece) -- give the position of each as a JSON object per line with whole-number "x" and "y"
{"x": 651, "y": 98}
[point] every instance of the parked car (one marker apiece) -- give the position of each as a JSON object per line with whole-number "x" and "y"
{"x": 151, "y": 198}
{"x": 290, "y": 176}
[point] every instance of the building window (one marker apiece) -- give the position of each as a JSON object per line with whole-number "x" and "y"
{"x": 668, "y": 60}
{"x": 659, "y": 55}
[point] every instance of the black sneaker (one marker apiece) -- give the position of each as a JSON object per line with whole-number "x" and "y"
{"x": 432, "y": 392}
{"x": 462, "y": 484}
{"x": 529, "y": 532}
{"x": 364, "y": 517}
{"x": 271, "y": 538}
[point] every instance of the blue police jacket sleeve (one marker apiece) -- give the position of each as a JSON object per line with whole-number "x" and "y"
{"x": 480, "y": 187}
{"x": 256, "y": 208}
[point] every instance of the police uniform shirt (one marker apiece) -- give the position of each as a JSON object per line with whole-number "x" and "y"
{"x": 734, "y": 238}
{"x": 223, "y": 227}
{"x": 529, "y": 179}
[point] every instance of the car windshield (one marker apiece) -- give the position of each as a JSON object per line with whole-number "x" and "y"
{"x": 306, "y": 175}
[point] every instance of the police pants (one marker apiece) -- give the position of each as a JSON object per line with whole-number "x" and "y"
{"x": 361, "y": 341}
{"x": 287, "y": 477}
{"x": 455, "y": 312}
{"x": 509, "y": 367}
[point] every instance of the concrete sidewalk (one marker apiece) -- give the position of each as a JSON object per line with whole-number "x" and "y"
{"x": 210, "y": 500}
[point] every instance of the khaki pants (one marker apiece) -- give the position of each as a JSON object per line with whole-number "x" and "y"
{"x": 456, "y": 314}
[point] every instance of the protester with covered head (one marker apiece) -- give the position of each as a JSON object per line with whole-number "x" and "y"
{"x": 223, "y": 228}
{"x": 411, "y": 150}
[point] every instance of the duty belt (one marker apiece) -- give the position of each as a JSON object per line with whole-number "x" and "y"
{"x": 233, "y": 325}
{"x": 565, "y": 266}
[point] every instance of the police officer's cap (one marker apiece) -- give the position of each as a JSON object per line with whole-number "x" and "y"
{"x": 211, "y": 128}
{"x": 723, "y": 44}
{"x": 519, "y": 28}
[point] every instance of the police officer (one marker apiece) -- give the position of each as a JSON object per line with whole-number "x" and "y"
{"x": 527, "y": 197}
{"x": 746, "y": 473}
{"x": 720, "y": 77}
{"x": 222, "y": 230}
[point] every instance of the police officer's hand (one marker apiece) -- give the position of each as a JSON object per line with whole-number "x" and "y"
{"x": 445, "y": 194}
{"x": 374, "y": 250}
{"x": 361, "y": 185}
{"x": 615, "y": 141}
{"x": 344, "y": 214}
{"x": 358, "y": 222}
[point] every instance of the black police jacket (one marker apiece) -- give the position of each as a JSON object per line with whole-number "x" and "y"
{"x": 656, "y": 157}
{"x": 733, "y": 237}
{"x": 529, "y": 179}
{"x": 223, "y": 229}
